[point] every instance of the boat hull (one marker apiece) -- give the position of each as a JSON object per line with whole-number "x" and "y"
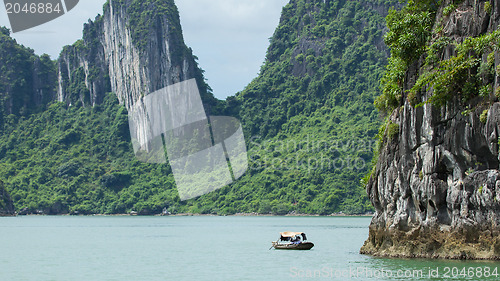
{"x": 301, "y": 246}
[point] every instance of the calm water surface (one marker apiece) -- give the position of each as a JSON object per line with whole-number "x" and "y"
{"x": 204, "y": 248}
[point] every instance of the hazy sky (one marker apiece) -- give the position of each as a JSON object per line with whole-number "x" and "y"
{"x": 230, "y": 37}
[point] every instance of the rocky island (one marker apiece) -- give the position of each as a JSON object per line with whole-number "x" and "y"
{"x": 436, "y": 185}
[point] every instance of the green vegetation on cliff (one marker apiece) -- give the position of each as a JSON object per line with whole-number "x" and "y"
{"x": 414, "y": 34}
{"x": 418, "y": 43}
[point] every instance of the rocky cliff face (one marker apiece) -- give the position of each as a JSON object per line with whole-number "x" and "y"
{"x": 133, "y": 49}
{"x": 82, "y": 71}
{"x": 436, "y": 185}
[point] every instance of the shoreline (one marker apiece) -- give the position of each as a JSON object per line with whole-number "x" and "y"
{"x": 201, "y": 215}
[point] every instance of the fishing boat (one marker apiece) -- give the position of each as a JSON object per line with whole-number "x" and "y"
{"x": 292, "y": 241}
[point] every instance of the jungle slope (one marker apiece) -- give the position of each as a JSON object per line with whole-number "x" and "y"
{"x": 309, "y": 115}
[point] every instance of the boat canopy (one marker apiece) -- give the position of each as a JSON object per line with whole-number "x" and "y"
{"x": 287, "y": 235}
{"x": 290, "y": 234}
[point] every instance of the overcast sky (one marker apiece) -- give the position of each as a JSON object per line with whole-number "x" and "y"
{"x": 230, "y": 37}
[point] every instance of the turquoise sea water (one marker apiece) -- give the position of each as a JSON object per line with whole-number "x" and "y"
{"x": 205, "y": 248}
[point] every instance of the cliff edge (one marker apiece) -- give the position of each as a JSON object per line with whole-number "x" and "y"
{"x": 436, "y": 184}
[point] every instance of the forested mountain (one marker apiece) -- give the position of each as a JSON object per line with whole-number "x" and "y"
{"x": 308, "y": 117}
